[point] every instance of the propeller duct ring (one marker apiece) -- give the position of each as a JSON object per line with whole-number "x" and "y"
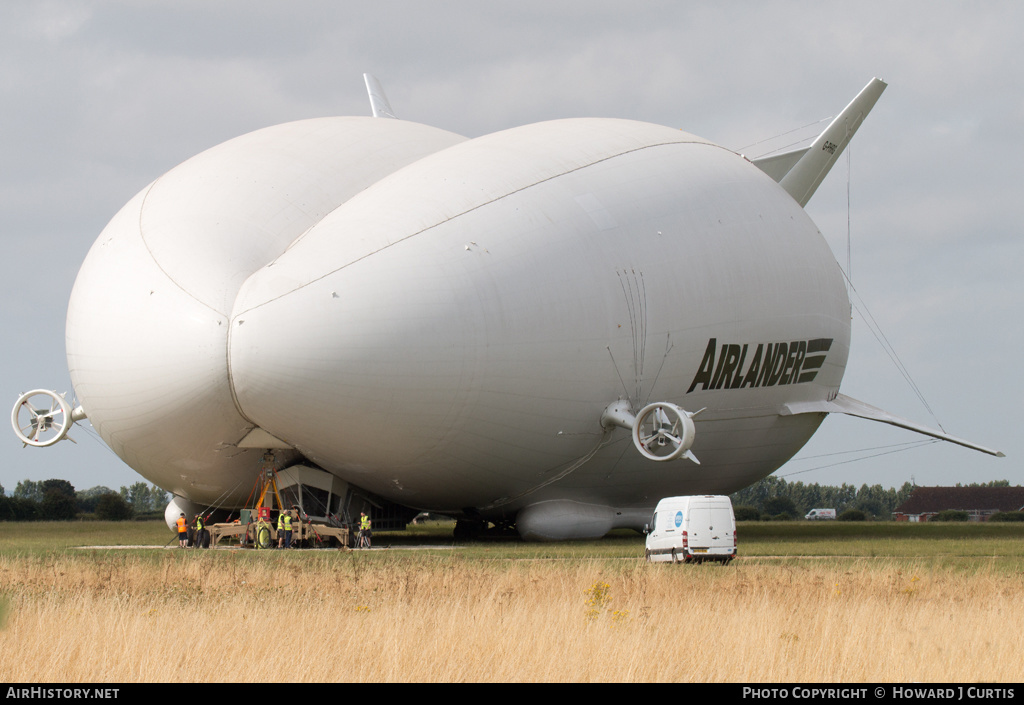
{"x": 663, "y": 431}
{"x": 41, "y": 426}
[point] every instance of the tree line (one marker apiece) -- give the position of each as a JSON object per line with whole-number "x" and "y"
{"x": 773, "y": 497}
{"x": 57, "y": 500}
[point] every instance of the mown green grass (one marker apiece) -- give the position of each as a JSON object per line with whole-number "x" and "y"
{"x": 48, "y": 536}
{"x": 953, "y": 543}
{"x": 1004, "y": 541}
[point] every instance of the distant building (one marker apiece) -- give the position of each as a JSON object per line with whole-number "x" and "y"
{"x": 979, "y": 502}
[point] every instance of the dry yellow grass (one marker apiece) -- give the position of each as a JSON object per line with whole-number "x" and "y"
{"x": 350, "y": 617}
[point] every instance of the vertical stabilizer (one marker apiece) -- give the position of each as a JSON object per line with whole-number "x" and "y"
{"x": 803, "y": 178}
{"x": 378, "y": 101}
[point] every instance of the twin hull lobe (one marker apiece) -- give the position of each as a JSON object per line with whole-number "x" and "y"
{"x": 445, "y": 324}
{"x": 147, "y": 325}
{"x": 459, "y": 350}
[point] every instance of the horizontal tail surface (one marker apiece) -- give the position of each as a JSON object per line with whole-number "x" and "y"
{"x": 843, "y": 404}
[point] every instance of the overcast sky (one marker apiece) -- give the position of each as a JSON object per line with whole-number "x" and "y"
{"x": 100, "y": 98}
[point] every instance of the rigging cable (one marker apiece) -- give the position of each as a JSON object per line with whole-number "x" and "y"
{"x": 862, "y": 309}
{"x": 915, "y": 444}
{"x": 876, "y": 331}
{"x": 783, "y": 134}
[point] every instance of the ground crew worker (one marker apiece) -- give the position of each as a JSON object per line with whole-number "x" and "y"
{"x": 280, "y": 529}
{"x": 365, "y": 531}
{"x": 182, "y": 531}
{"x": 198, "y": 526}
{"x": 287, "y": 529}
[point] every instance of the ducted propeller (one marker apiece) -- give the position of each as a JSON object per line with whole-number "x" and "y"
{"x": 42, "y": 418}
{"x": 661, "y": 431}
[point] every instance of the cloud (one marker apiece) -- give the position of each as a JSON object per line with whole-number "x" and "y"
{"x": 102, "y": 97}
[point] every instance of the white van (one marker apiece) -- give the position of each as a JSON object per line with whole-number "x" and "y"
{"x": 821, "y": 514}
{"x": 696, "y": 528}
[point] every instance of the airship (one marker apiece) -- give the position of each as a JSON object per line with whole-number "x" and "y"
{"x": 547, "y": 328}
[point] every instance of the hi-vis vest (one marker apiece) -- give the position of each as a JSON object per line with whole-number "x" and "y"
{"x": 364, "y": 523}
{"x": 182, "y": 525}
{"x": 287, "y": 522}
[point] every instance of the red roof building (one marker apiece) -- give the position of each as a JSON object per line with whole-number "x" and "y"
{"x": 979, "y": 502}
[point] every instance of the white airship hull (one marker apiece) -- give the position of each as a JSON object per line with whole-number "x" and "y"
{"x": 463, "y": 325}
{"x": 448, "y": 337}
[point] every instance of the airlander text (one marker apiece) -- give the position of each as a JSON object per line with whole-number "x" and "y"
{"x": 770, "y": 364}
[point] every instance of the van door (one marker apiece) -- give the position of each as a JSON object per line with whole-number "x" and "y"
{"x": 699, "y": 528}
{"x": 666, "y": 531}
{"x": 723, "y": 526}
{"x": 711, "y": 527}
{"x": 675, "y": 530}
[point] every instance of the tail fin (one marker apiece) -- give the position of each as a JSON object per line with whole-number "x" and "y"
{"x": 378, "y": 101}
{"x": 803, "y": 177}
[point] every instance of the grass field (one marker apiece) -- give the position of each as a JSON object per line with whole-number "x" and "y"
{"x": 805, "y": 602}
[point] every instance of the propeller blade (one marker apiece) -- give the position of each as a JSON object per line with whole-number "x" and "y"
{"x": 676, "y": 441}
